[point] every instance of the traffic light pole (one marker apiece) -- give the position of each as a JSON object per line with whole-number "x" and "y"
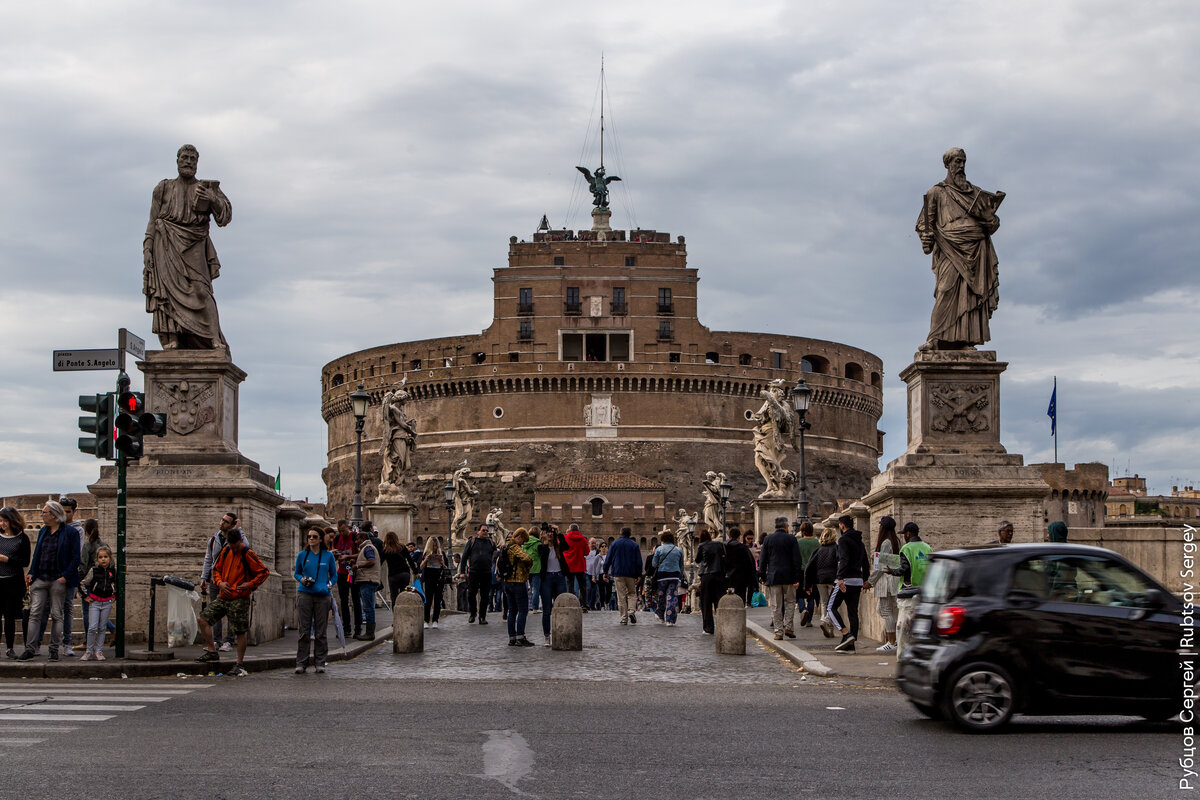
{"x": 121, "y": 460}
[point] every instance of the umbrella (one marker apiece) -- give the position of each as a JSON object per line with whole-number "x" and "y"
{"x": 337, "y": 622}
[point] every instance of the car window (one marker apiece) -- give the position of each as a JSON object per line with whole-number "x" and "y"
{"x": 941, "y": 579}
{"x": 1087, "y": 580}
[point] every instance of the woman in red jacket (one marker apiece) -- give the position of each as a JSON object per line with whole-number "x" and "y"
{"x": 576, "y": 555}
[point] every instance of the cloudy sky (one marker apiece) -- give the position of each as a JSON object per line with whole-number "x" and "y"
{"x": 379, "y": 155}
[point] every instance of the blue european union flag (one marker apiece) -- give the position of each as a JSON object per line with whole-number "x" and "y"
{"x": 1052, "y": 409}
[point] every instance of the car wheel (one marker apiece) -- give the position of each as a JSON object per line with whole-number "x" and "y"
{"x": 933, "y": 712}
{"x": 979, "y": 697}
{"x": 1161, "y": 713}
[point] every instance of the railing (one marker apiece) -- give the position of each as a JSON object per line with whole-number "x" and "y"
{"x": 620, "y": 309}
{"x": 666, "y": 308}
{"x": 572, "y": 309}
{"x": 525, "y": 308}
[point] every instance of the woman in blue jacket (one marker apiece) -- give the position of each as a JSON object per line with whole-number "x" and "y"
{"x": 668, "y": 573}
{"x": 315, "y": 572}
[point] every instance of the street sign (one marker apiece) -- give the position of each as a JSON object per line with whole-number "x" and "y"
{"x": 80, "y": 360}
{"x": 134, "y": 345}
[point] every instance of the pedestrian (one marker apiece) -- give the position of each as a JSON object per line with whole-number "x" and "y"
{"x": 344, "y": 550}
{"x": 53, "y": 572}
{"x": 87, "y": 560}
{"x": 603, "y": 579}
{"x": 69, "y": 505}
{"x": 238, "y": 571}
{"x": 668, "y": 575}
{"x": 884, "y": 584}
{"x": 852, "y": 572}
{"x": 779, "y": 570}
{"x": 576, "y": 555}
{"x": 431, "y": 580}
{"x": 216, "y": 544}
{"x": 552, "y": 552}
{"x": 514, "y": 571}
{"x": 624, "y": 564}
{"x": 399, "y": 566}
{"x": 595, "y": 571}
{"x": 821, "y": 574}
{"x": 476, "y": 565}
{"x": 806, "y": 599}
{"x": 535, "y": 571}
{"x": 366, "y": 582}
{"x": 14, "y": 558}
{"x": 739, "y": 566}
{"x": 710, "y": 555}
{"x": 316, "y": 575}
{"x": 1057, "y": 531}
{"x": 100, "y": 588}
{"x": 1004, "y": 533}
{"x": 914, "y": 560}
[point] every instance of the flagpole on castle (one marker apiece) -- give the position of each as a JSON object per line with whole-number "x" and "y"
{"x": 1054, "y": 417}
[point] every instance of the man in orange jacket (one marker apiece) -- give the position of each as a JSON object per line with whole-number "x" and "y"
{"x": 237, "y": 573}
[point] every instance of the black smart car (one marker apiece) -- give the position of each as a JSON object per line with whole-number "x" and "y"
{"x": 1041, "y": 629}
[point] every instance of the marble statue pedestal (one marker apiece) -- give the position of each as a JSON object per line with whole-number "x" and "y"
{"x": 178, "y": 492}
{"x": 765, "y": 512}
{"x": 392, "y": 516}
{"x": 956, "y": 480}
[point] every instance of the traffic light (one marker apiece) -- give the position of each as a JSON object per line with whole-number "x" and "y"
{"x": 133, "y": 423}
{"x": 99, "y": 424}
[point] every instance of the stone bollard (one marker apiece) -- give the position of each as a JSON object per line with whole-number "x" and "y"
{"x": 731, "y": 625}
{"x": 566, "y": 623}
{"x": 408, "y": 623}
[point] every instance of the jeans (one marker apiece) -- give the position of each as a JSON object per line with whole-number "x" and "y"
{"x": 98, "y": 611}
{"x": 45, "y": 599}
{"x": 479, "y": 589}
{"x": 397, "y": 583}
{"x": 553, "y": 584}
{"x": 219, "y": 626}
{"x": 535, "y": 591}
{"x": 68, "y": 608}
{"x": 431, "y": 582}
{"x": 783, "y": 607}
{"x": 626, "y": 596}
{"x": 668, "y": 600}
{"x": 312, "y": 613}
{"x": 518, "y": 608}
{"x": 366, "y": 599}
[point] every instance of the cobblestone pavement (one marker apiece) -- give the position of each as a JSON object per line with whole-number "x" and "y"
{"x": 648, "y": 651}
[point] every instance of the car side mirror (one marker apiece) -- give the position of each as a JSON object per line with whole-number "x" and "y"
{"x": 1152, "y": 601}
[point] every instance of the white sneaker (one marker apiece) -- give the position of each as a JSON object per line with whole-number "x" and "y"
{"x": 239, "y": 672}
{"x": 547, "y": 641}
{"x": 68, "y": 651}
{"x": 226, "y": 647}
{"x": 435, "y": 624}
{"x": 670, "y": 624}
{"x": 426, "y": 626}
{"x": 886, "y": 647}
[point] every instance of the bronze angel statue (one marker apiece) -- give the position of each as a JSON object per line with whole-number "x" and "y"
{"x": 774, "y": 427}
{"x": 598, "y": 184}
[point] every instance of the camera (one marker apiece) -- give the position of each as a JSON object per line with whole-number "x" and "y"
{"x": 309, "y": 582}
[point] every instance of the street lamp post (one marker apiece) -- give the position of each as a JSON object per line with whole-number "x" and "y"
{"x": 691, "y": 527}
{"x": 358, "y": 405}
{"x": 726, "y": 487}
{"x": 801, "y": 395}
{"x": 448, "y": 494}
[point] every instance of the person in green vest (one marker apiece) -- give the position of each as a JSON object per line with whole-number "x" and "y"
{"x": 806, "y": 596}
{"x": 535, "y": 574}
{"x": 914, "y": 560}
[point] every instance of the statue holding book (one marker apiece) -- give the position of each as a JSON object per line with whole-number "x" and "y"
{"x": 956, "y": 224}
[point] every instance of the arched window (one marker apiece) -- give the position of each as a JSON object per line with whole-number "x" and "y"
{"x": 854, "y": 371}
{"x": 815, "y": 364}
{"x": 338, "y": 380}
{"x": 712, "y": 358}
{"x": 744, "y": 359}
{"x": 875, "y": 381}
{"x": 597, "y": 506}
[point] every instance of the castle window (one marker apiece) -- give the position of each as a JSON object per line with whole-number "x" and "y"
{"x": 875, "y": 380}
{"x": 630, "y": 261}
{"x": 776, "y": 359}
{"x": 559, "y": 261}
{"x": 618, "y": 347}
{"x": 414, "y": 364}
{"x": 393, "y": 367}
{"x": 525, "y": 331}
{"x": 745, "y": 360}
{"x": 665, "y": 306}
{"x": 853, "y": 371}
{"x": 600, "y": 346}
{"x": 525, "y": 301}
{"x": 573, "y": 306}
{"x": 572, "y": 347}
{"x": 338, "y": 380}
{"x": 597, "y": 507}
{"x": 815, "y": 364}
{"x": 514, "y": 358}
{"x": 664, "y": 331}
{"x": 673, "y": 358}
{"x": 618, "y": 301}
{"x": 596, "y": 346}
{"x": 480, "y": 358}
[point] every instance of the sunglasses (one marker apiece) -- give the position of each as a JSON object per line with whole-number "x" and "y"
{"x": 313, "y": 536}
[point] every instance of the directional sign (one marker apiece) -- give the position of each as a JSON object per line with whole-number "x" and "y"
{"x": 80, "y": 360}
{"x": 134, "y": 345}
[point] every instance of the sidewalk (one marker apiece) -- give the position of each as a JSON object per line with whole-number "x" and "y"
{"x": 276, "y": 654}
{"x": 815, "y": 654}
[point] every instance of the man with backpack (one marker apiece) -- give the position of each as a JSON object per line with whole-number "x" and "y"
{"x": 237, "y": 572}
{"x": 216, "y": 544}
{"x": 476, "y": 564}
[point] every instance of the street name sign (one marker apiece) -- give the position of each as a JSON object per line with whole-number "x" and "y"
{"x": 79, "y": 360}
{"x": 134, "y": 345}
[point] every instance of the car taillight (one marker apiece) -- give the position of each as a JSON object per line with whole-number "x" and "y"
{"x": 950, "y": 620}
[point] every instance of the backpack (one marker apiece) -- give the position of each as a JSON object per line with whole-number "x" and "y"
{"x": 504, "y": 565}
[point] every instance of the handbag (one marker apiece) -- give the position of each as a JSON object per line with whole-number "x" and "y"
{"x": 758, "y": 600}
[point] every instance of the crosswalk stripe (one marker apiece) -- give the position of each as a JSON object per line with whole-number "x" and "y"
{"x": 83, "y": 698}
{"x": 36, "y": 729}
{"x": 56, "y": 689}
{"x": 55, "y": 717}
{"x": 21, "y": 742}
{"x": 71, "y": 707}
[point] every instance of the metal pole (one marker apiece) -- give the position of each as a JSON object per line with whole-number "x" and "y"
{"x": 449, "y": 525}
{"x": 356, "y": 513}
{"x": 120, "y": 635}
{"x": 802, "y": 503}
{"x": 724, "y": 527}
